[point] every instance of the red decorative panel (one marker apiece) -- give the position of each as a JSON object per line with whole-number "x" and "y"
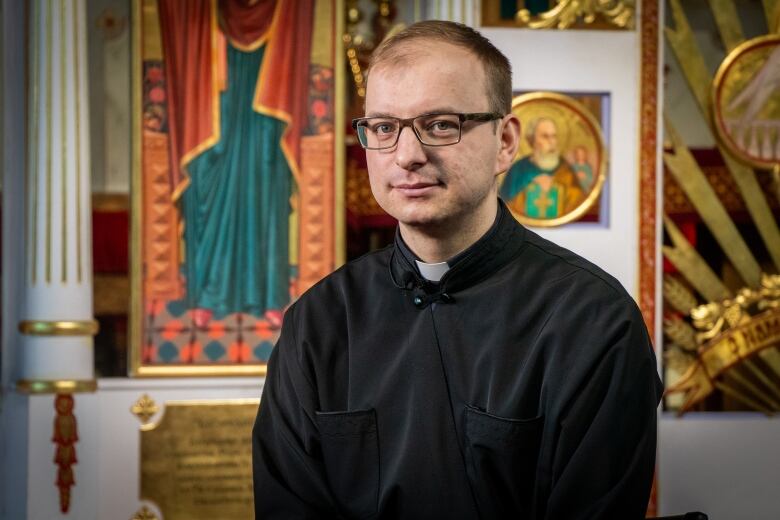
{"x": 648, "y": 162}
{"x": 317, "y": 237}
{"x": 161, "y": 236}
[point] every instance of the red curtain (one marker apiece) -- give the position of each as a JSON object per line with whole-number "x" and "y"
{"x": 192, "y": 47}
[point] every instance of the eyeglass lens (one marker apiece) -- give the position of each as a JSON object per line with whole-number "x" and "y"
{"x": 432, "y": 130}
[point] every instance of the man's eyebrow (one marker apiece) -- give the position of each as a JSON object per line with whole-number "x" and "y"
{"x": 380, "y": 114}
{"x": 434, "y": 111}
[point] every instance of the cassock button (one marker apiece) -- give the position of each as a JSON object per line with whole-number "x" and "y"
{"x": 418, "y": 301}
{"x": 446, "y": 298}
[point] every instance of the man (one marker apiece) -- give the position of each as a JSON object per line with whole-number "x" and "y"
{"x": 542, "y": 184}
{"x": 472, "y": 369}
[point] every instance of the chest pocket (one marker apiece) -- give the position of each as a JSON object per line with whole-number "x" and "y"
{"x": 350, "y": 449}
{"x": 502, "y": 456}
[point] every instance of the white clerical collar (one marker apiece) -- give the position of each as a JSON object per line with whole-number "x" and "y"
{"x": 432, "y": 272}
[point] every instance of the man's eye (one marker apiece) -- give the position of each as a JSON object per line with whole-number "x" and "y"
{"x": 442, "y": 126}
{"x": 383, "y": 128}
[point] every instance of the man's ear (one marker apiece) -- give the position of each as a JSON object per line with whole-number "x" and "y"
{"x": 509, "y": 128}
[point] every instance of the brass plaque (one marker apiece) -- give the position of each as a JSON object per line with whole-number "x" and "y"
{"x": 196, "y": 462}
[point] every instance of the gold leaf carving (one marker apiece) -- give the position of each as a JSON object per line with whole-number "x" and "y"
{"x": 568, "y": 12}
{"x": 678, "y": 295}
{"x": 144, "y": 408}
{"x": 144, "y": 514}
{"x": 681, "y": 333}
{"x": 678, "y": 360}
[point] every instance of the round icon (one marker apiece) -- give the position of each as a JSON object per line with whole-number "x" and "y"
{"x": 560, "y": 166}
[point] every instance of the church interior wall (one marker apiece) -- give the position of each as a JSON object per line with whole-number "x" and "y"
{"x": 724, "y": 464}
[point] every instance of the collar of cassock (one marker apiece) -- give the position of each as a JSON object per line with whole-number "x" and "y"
{"x": 487, "y": 255}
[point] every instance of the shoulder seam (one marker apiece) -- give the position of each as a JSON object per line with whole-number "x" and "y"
{"x": 620, "y": 290}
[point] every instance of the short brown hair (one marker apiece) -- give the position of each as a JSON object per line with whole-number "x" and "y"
{"x": 498, "y": 71}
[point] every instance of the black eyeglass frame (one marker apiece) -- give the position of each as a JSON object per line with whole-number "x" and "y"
{"x": 481, "y": 117}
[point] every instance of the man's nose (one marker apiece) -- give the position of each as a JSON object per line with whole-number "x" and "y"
{"x": 409, "y": 152}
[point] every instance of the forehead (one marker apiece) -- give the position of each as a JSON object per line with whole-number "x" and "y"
{"x": 427, "y": 76}
{"x": 545, "y": 125}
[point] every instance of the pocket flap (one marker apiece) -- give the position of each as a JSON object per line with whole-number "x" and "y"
{"x": 482, "y": 424}
{"x": 503, "y": 454}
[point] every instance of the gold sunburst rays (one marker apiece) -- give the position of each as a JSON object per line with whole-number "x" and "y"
{"x": 693, "y": 267}
{"x": 727, "y": 20}
{"x": 697, "y": 188}
{"x": 683, "y": 43}
{"x": 772, "y": 12}
{"x": 731, "y": 341}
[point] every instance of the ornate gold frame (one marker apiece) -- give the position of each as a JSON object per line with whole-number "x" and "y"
{"x": 136, "y": 312}
{"x": 601, "y": 175}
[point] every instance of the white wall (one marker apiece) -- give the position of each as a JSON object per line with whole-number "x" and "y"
{"x": 724, "y": 464}
{"x": 598, "y": 62}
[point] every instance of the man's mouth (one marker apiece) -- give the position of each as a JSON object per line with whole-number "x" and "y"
{"x": 415, "y": 189}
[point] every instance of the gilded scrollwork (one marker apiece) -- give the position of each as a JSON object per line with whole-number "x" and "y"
{"x": 617, "y": 13}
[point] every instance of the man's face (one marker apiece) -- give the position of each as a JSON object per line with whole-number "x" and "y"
{"x": 545, "y": 138}
{"x": 424, "y": 186}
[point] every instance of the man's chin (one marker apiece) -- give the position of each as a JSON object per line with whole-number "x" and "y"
{"x": 418, "y": 218}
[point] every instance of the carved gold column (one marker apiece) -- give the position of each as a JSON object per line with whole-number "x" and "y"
{"x": 57, "y": 324}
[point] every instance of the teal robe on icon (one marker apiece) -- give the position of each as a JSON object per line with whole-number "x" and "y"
{"x": 524, "y": 195}
{"x": 236, "y": 209}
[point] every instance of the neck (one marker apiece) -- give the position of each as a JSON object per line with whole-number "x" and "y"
{"x": 440, "y": 242}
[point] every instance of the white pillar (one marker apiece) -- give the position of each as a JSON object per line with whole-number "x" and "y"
{"x": 462, "y": 11}
{"x": 57, "y": 323}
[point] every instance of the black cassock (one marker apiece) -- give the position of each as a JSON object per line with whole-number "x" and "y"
{"x": 523, "y": 385}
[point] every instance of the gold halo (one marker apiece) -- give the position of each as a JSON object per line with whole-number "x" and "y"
{"x": 718, "y": 85}
{"x": 562, "y": 104}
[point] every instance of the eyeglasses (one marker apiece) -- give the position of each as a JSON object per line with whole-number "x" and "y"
{"x": 379, "y": 133}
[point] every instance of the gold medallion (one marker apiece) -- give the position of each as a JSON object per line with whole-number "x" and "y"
{"x": 746, "y": 102}
{"x": 560, "y": 167}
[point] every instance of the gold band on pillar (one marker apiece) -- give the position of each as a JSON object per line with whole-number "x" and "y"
{"x": 59, "y": 328}
{"x": 63, "y": 386}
